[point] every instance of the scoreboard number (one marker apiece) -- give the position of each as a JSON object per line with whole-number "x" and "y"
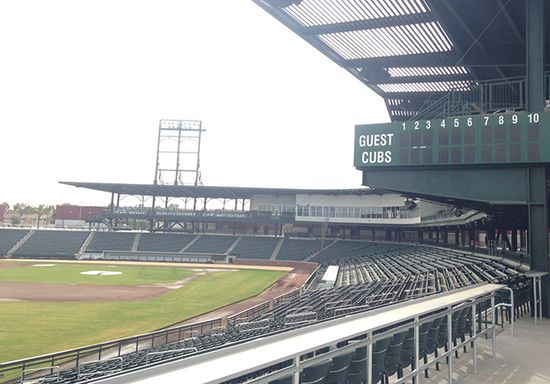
{"x": 533, "y": 117}
{"x": 457, "y": 122}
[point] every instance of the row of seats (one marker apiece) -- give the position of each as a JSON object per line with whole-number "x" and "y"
{"x": 441, "y": 269}
{"x": 298, "y": 249}
{"x": 345, "y": 249}
{"x": 255, "y": 247}
{"x": 10, "y": 237}
{"x": 211, "y": 244}
{"x": 163, "y": 242}
{"x": 52, "y": 244}
{"x": 111, "y": 241}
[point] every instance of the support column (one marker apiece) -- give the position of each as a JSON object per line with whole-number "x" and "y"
{"x": 472, "y": 237}
{"x": 537, "y": 242}
{"x": 522, "y": 239}
{"x": 538, "y": 197}
{"x": 152, "y": 220}
{"x": 535, "y": 56}
{"x": 504, "y": 237}
{"x": 490, "y": 237}
{"x": 514, "y": 235}
{"x": 112, "y": 209}
{"x": 117, "y": 206}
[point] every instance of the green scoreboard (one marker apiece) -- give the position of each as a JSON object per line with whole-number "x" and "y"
{"x": 483, "y": 139}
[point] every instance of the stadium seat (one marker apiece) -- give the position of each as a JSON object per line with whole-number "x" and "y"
{"x": 315, "y": 374}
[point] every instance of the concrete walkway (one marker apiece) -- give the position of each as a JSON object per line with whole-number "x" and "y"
{"x": 522, "y": 359}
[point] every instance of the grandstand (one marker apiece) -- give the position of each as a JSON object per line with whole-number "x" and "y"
{"x": 375, "y": 278}
{"x": 51, "y": 244}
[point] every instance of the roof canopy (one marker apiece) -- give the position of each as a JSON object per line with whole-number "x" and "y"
{"x": 210, "y": 191}
{"x": 408, "y": 50}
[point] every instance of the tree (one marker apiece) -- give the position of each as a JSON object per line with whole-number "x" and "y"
{"x": 16, "y": 218}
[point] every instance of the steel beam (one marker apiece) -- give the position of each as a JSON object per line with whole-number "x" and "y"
{"x": 535, "y": 55}
{"x": 476, "y": 58}
{"x": 538, "y": 177}
{"x": 361, "y": 25}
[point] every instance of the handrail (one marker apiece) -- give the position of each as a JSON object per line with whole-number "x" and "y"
{"x": 486, "y": 96}
{"x": 511, "y": 305}
{"x": 247, "y": 313}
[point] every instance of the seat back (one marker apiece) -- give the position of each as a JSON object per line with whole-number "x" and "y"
{"x": 407, "y": 350}
{"x": 341, "y": 361}
{"x": 315, "y": 372}
{"x": 433, "y": 334}
{"x": 337, "y": 376}
{"x": 393, "y": 353}
{"x": 379, "y": 358}
{"x": 423, "y": 337}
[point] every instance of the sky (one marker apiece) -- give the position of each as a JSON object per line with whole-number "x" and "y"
{"x": 83, "y": 85}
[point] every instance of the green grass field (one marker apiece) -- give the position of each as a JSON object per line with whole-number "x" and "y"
{"x": 70, "y": 274}
{"x": 35, "y": 328}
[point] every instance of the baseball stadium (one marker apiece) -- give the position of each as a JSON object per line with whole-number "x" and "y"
{"x": 435, "y": 271}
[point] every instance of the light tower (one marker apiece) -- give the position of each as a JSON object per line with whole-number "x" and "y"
{"x": 178, "y": 152}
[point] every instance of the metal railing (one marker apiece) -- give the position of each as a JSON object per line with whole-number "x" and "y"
{"x": 286, "y": 297}
{"x": 482, "y": 97}
{"x": 451, "y": 214}
{"x": 14, "y": 371}
{"x": 248, "y": 314}
{"x": 520, "y": 257}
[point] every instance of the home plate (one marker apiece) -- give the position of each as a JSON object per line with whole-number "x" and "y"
{"x": 101, "y": 273}
{"x": 43, "y": 265}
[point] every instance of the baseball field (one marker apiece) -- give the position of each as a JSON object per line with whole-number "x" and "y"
{"x": 49, "y": 306}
